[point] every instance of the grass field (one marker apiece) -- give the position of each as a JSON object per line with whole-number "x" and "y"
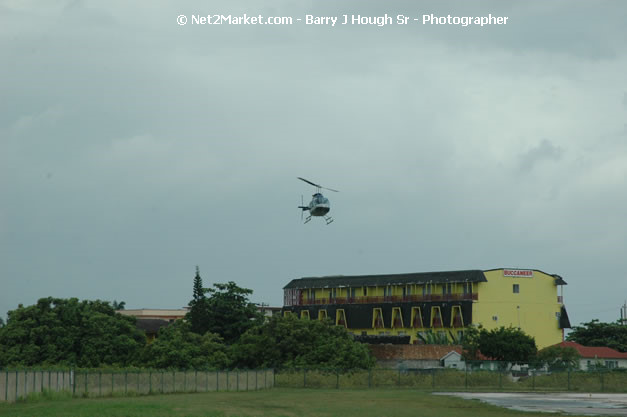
{"x": 274, "y": 403}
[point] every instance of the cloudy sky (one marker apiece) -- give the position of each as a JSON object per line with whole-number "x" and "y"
{"x": 133, "y": 148}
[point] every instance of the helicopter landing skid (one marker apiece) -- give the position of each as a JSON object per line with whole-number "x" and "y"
{"x": 328, "y": 219}
{"x": 307, "y": 220}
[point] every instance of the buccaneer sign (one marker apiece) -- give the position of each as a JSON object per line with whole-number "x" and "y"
{"x": 521, "y": 273}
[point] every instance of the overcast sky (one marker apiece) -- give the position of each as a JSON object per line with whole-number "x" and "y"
{"x": 133, "y": 148}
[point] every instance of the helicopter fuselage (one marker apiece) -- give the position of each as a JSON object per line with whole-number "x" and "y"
{"x": 319, "y": 205}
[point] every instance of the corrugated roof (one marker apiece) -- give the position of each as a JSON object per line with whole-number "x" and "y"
{"x": 412, "y": 352}
{"x": 596, "y": 352}
{"x": 473, "y": 275}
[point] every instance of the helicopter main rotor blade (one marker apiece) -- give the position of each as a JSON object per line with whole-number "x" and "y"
{"x": 309, "y": 182}
{"x": 316, "y": 185}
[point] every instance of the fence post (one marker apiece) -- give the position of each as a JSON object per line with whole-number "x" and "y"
{"x": 337, "y": 379}
{"x": 42, "y": 382}
{"x": 246, "y": 379}
{"x": 217, "y": 381}
{"x": 73, "y": 383}
{"x": 227, "y": 380}
{"x": 466, "y": 376}
{"x": 433, "y": 378}
{"x": 533, "y": 380}
{"x": 173, "y": 381}
{"x": 256, "y": 378}
{"x": 6, "y": 386}
{"x": 195, "y": 380}
{"x": 304, "y": 377}
{"x": 602, "y": 382}
{"x": 162, "y": 382}
{"x": 112, "y": 383}
{"x": 500, "y": 379}
{"x": 25, "y": 383}
{"x": 138, "y": 375}
{"x": 206, "y": 381}
{"x": 237, "y": 380}
{"x": 185, "y": 381}
{"x": 16, "y": 374}
{"x": 369, "y": 378}
{"x": 398, "y": 382}
{"x": 99, "y": 383}
{"x": 149, "y": 382}
{"x": 568, "y": 383}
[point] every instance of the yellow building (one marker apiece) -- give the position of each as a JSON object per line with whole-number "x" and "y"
{"x": 446, "y": 302}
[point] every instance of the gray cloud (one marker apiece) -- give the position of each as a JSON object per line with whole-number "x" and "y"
{"x": 132, "y": 149}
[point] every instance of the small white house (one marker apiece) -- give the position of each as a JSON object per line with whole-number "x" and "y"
{"x": 593, "y": 357}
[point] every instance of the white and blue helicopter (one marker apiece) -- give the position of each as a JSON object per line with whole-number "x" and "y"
{"x": 319, "y": 205}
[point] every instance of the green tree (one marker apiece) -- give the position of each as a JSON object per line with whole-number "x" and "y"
{"x": 595, "y": 333}
{"x": 70, "y": 332}
{"x": 177, "y": 347}
{"x": 507, "y": 344}
{"x": 470, "y": 343}
{"x": 292, "y": 342}
{"x": 229, "y": 312}
{"x": 559, "y": 358}
{"x": 118, "y": 306}
{"x": 198, "y": 314}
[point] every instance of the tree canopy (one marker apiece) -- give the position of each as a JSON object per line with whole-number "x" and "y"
{"x": 198, "y": 315}
{"x": 226, "y": 312}
{"x": 293, "y": 342}
{"x": 505, "y": 344}
{"x": 559, "y": 358}
{"x": 595, "y": 333}
{"x": 178, "y": 347}
{"x": 69, "y": 332}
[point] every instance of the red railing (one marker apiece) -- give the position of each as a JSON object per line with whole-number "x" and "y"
{"x": 391, "y": 299}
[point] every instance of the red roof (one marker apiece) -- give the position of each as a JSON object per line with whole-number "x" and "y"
{"x": 594, "y": 351}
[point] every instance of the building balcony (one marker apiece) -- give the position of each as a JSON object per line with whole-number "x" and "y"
{"x": 391, "y": 299}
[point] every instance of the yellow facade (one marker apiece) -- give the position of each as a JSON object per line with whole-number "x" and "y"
{"x": 442, "y": 303}
{"x": 535, "y": 308}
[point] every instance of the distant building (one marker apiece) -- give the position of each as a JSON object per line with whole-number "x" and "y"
{"x": 407, "y": 357}
{"x": 593, "y": 357}
{"x": 440, "y": 302}
{"x": 156, "y": 313}
{"x": 150, "y": 320}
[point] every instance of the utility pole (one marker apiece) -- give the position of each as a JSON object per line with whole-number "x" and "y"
{"x": 623, "y": 314}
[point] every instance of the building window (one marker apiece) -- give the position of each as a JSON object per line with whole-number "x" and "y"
{"x": 516, "y": 288}
{"x": 426, "y": 289}
{"x": 365, "y": 291}
{"x": 447, "y": 289}
{"x": 353, "y": 292}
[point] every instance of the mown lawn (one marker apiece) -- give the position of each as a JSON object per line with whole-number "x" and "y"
{"x": 274, "y": 403}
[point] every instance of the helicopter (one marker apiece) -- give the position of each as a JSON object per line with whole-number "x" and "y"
{"x": 319, "y": 205}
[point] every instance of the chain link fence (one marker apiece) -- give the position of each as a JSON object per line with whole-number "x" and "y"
{"x": 442, "y": 379}
{"x": 16, "y": 384}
